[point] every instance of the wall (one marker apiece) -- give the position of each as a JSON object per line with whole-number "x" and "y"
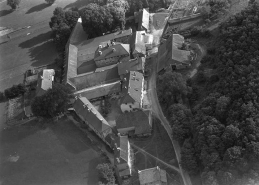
{"x": 124, "y": 131}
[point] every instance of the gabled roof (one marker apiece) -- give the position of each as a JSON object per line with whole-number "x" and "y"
{"x": 101, "y": 90}
{"x": 178, "y": 40}
{"x": 86, "y": 111}
{"x": 152, "y": 176}
{"x": 139, "y": 45}
{"x": 112, "y": 51}
{"x": 138, "y": 119}
{"x": 45, "y": 79}
{"x": 143, "y": 19}
{"x": 122, "y": 148}
{"x": 136, "y": 64}
{"x": 133, "y": 86}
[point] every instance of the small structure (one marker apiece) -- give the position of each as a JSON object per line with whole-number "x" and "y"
{"x": 142, "y": 42}
{"x": 143, "y": 20}
{"x": 45, "y": 80}
{"x": 123, "y": 158}
{"x": 90, "y": 116}
{"x": 136, "y": 64}
{"x": 132, "y": 89}
{"x": 171, "y": 53}
{"x": 111, "y": 53}
{"x": 152, "y": 176}
{"x": 137, "y": 123}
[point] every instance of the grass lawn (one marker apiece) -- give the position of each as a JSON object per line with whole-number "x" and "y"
{"x": 49, "y": 153}
{"x": 29, "y": 47}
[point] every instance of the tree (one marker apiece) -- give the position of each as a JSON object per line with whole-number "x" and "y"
{"x": 209, "y": 178}
{"x": 14, "y": 4}
{"x": 97, "y": 20}
{"x": 171, "y": 88}
{"x": 180, "y": 118}
{"x": 107, "y": 173}
{"x": 188, "y": 160}
{"x": 52, "y": 103}
{"x": 50, "y": 1}
{"x": 119, "y": 4}
{"x": 62, "y": 23}
{"x": 15, "y": 91}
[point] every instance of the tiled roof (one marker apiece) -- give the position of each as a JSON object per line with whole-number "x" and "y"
{"x": 138, "y": 119}
{"x": 96, "y": 78}
{"x": 86, "y": 111}
{"x": 152, "y": 176}
{"x": 143, "y": 19}
{"x": 99, "y": 91}
{"x": 112, "y": 51}
{"x": 45, "y": 79}
{"x": 178, "y": 40}
{"x": 71, "y": 64}
{"x": 136, "y": 64}
{"x": 133, "y": 86}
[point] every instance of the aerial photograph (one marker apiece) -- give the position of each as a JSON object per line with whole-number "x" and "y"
{"x": 129, "y": 92}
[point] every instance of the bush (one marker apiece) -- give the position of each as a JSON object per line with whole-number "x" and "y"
{"x": 14, "y": 4}
{"x": 214, "y": 78}
{"x": 15, "y": 91}
{"x": 50, "y": 1}
{"x": 211, "y": 50}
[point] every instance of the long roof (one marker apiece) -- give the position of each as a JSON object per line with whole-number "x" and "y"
{"x": 89, "y": 114}
{"x": 138, "y": 119}
{"x": 136, "y": 64}
{"x": 112, "y": 51}
{"x": 101, "y": 90}
{"x": 96, "y": 78}
{"x": 152, "y": 175}
{"x": 132, "y": 86}
{"x": 121, "y": 151}
{"x": 139, "y": 44}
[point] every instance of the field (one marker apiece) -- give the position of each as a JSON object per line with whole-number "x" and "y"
{"x": 49, "y": 153}
{"x": 31, "y": 46}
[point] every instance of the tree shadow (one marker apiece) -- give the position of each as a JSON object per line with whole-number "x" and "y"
{"x": 38, "y": 8}
{"x": 36, "y": 40}
{"x": 43, "y": 54}
{"x": 79, "y": 4}
{"x": 5, "y": 12}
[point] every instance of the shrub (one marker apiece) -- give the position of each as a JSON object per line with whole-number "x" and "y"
{"x": 15, "y": 91}
{"x": 211, "y": 50}
{"x": 14, "y": 4}
{"x": 201, "y": 77}
{"x": 2, "y": 97}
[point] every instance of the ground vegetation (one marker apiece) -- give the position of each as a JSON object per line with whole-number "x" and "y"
{"x": 14, "y": 4}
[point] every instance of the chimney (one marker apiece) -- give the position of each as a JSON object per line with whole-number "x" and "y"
{"x": 113, "y": 49}
{"x": 76, "y": 97}
{"x": 100, "y": 52}
{"x": 100, "y": 46}
{"x": 118, "y": 160}
{"x": 84, "y": 106}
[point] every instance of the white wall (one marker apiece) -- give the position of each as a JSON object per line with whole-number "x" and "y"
{"x": 129, "y": 106}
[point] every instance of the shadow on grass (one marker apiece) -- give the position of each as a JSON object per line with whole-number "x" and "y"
{"x": 5, "y": 12}
{"x": 38, "y": 8}
{"x": 79, "y": 4}
{"x": 43, "y": 54}
{"x": 36, "y": 40}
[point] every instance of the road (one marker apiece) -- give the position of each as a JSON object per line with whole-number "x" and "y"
{"x": 156, "y": 109}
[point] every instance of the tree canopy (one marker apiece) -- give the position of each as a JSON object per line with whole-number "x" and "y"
{"x": 52, "y": 103}
{"x": 62, "y": 23}
{"x": 14, "y": 4}
{"x": 97, "y": 20}
{"x": 224, "y": 137}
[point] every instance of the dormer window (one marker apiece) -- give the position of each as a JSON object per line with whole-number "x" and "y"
{"x": 100, "y": 52}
